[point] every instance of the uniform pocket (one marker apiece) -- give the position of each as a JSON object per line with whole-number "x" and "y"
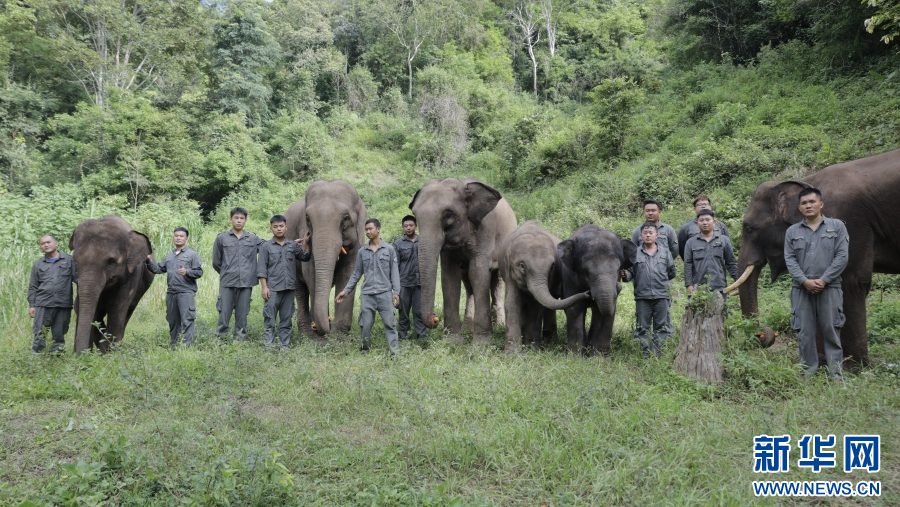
{"x": 698, "y": 253}
{"x": 839, "y": 317}
{"x": 795, "y": 322}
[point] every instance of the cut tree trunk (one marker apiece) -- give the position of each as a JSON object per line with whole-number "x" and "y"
{"x": 700, "y": 348}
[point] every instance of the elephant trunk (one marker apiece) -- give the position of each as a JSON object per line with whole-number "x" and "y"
{"x": 325, "y": 255}
{"x": 89, "y": 290}
{"x": 748, "y": 291}
{"x": 540, "y": 289}
{"x": 604, "y": 293}
{"x": 429, "y": 251}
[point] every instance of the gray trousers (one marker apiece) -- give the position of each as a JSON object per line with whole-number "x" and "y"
{"x": 282, "y": 303}
{"x": 410, "y": 299}
{"x": 824, "y": 310}
{"x": 237, "y": 300}
{"x": 652, "y": 314}
{"x": 57, "y": 320}
{"x": 383, "y": 304}
{"x": 180, "y": 314}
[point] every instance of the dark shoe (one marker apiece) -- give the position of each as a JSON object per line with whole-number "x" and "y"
{"x": 56, "y": 349}
{"x": 365, "y": 346}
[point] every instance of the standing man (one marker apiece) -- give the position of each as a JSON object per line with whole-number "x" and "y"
{"x": 381, "y": 288}
{"x": 50, "y": 294}
{"x": 277, "y": 272}
{"x": 690, "y": 229}
{"x": 708, "y": 256}
{"x": 815, "y": 252}
{"x": 666, "y": 234}
{"x": 651, "y": 272}
{"x": 234, "y": 258}
{"x": 184, "y": 268}
{"x": 407, "y": 248}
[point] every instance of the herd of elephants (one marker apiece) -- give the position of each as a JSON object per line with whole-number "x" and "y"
{"x": 519, "y": 276}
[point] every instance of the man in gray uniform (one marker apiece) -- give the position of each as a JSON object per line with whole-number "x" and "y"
{"x": 234, "y": 258}
{"x": 277, "y": 272}
{"x": 407, "y": 248}
{"x": 815, "y": 252}
{"x": 667, "y": 236}
{"x": 690, "y": 228}
{"x": 50, "y": 294}
{"x": 651, "y": 272}
{"x": 708, "y": 256}
{"x": 378, "y": 263}
{"x": 183, "y": 268}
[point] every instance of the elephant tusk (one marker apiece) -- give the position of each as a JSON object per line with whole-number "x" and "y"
{"x": 314, "y": 325}
{"x": 737, "y": 283}
{"x": 343, "y": 251}
{"x": 435, "y": 319}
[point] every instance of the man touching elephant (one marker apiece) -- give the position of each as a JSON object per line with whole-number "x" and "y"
{"x": 816, "y": 251}
{"x": 50, "y": 294}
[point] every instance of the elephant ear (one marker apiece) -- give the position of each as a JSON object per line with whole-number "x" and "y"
{"x": 416, "y": 195}
{"x": 481, "y": 199}
{"x": 138, "y": 250}
{"x": 72, "y": 241}
{"x": 361, "y": 217}
{"x": 296, "y": 220}
{"x": 786, "y": 200}
{"x": 630, "y": 252}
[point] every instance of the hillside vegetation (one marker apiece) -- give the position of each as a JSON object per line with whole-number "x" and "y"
{"x": 171, "y": 113}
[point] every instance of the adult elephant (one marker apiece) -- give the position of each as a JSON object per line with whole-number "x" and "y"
{"x": 463, "y": 222}
{"x": 529, "y": 266}
{"x": 853, "y": 192}
{"x": 112, "y": 278}
{"x": 590, "y": 260}
{"x": 334, "y": 216}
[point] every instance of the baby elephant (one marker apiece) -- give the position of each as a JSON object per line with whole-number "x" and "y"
{"x": 528, "y": 264}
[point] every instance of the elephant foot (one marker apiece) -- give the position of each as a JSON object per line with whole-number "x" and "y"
{"x": 455, "y": 339}
{"x": 481, "y": 340}
{"x": 318, "y": 340}
{"x": 512, "y": 348}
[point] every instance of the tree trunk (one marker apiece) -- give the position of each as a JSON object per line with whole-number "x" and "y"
{"x": 700, "y": 347}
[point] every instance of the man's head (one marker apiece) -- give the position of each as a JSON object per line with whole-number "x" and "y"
{"x": 409, "y": 225}
{"x": 649, "y": 233}
{"x": 373, "y": 228}
{"x": 180, "y": 237}
{"x": 238, "y": 218}
{"x": 706, "y": 219}
{"x": 701, "y": 202}
{"x": 652, "y": 208}
{"x": 811, "y": 203}
{"x": 48, "y": 244}
{"x": 278, "y": 226}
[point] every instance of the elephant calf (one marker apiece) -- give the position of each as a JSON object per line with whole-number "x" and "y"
{"x": 528, "y": 264}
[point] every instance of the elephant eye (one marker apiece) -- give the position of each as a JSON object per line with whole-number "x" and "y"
{"x": 345, "y": 223}
{"x": 111, "y": 261}
{"x": 521, "y": 264}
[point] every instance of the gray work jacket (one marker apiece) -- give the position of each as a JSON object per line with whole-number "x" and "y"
{"x": 379, "y": 268}
{"x": 711, "y": 258}
{"x": 51, "y": 282}
{"x": 171, "y": 263}
{"x": 277, "y": 264}
{"x": 815, "y": 254}
{"x": 667, "y": 237}
{"x": 408, "y": 257}
{"x": 691, "y": 229}
{"x": 651, "y": 273}
{"x": 235, "y": 259}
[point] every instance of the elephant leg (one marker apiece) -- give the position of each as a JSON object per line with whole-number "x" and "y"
{"x": 601, "y": 332}
{"x": 854, "y": 339}
{"x": 451, "y": 277}
{"x": 304, "y": 319}
{"x": 532, "y": 321}
{"x": 343, "y": 312}
{"x": 480, "y": 276}
{"x": 116, "y": 318}
{"x": 513, "y": 315}
{"x": 498, "y": 288}
{"x": 551, "y": 332}
{"x": 575, "y": 317}
{"x": 469, "y": 321}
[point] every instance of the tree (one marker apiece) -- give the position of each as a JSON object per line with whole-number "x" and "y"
{"x": 529, "y": 26}
{"x": 887, "y": 16}
{"x": 550, "y": 17}
{"x": 406, "y": 22}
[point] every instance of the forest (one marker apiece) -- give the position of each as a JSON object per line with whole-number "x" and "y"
{"x": 171, "y": 112}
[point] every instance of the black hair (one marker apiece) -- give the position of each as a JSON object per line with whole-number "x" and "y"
{"x": 809, "y": 190}
{"x": 409, "y": 218}
{"x": 647, "y": 224}
{"x": 374, "y": 221}
{"x": 653, "y": 201}
{"x": 706, "y": 212}
{"x": 182, "y": 229}
{"x": 238, "y": 211}
{"x": 701, "y": 198}
{"x": 277, "y": 218}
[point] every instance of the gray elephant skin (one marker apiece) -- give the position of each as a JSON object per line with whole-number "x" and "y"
{"x": 334, "y": 216}
{"x": 529, "y": 266}
{"x": 112, "y": 278}
{"x": 462, "y": 222}
{"x": 590, "y": 260}
{"x": 857, "y": 192}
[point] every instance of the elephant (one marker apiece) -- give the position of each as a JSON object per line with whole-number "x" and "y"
{"x": 462, "y": 222}
{"x": 112, "y": 278}
{"x": 590, "y": 260}
{"x": 850, "y": 192}
{"x": 334, "y": 216}
{"x": 529, "y": 266}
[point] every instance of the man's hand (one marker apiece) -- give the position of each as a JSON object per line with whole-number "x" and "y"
{"x": 266, "y": 293}
{"x": 340, "y": 297}
{"x": 150, "y": 258}
{"x": 396, "y": 301}
{"x": 181, "y": 271}
{"x": 301, "y": 241}
{"x": 814, "y": 286}
{"x": 622, "y": 274}
{"x": 690, "y": 289}
{"x": 32, "y": 312}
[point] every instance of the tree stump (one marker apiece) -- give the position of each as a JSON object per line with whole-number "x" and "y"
{"x": 702, "y": 330}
